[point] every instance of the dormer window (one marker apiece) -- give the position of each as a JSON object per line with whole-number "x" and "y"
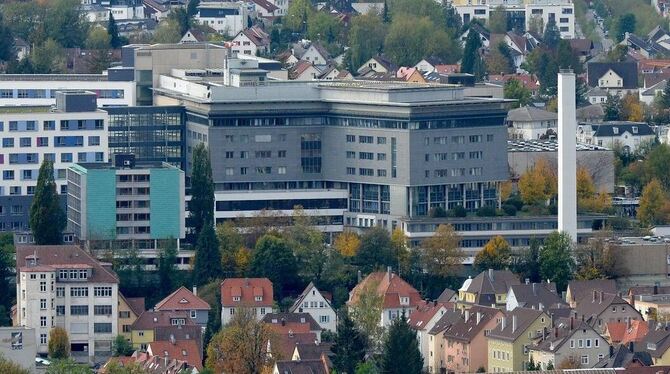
{"x": 259, "y": 298}
{"x": 236, "y": 298}
{"x": 615, "y": 130}
{"x": 404, "y": 300}
{"x": 634, "y": 129}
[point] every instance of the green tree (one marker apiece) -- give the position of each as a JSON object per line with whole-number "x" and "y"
{"x": 230, "y": 242}
{"x": 499, "y": 59}
{"x": 167, "y": 259}
{"x": 66, "y": 23}
{"x": 98, "y": 38}
{"x": 6, "y": 41}
{"x": 59, "y": 344}
{"x": 566, "y": 58}
{"x": 181, "y": 18}
{"x": 67, "y": 366}
{"x": 657, "y": 165}
{"x": 192, "y": 8}
{"x": 618, "y": 54}
{"x": 366, "y": 38}
{"x": 298, "y": 14}
{"x": 498, "y": 20}
{"x": 527, "y": 263}
{"x": 308, "y": 246}
{"x": 98, "y": 42}
{"x": 167, "y": 32}
{"x": 442, "y": 252}
{"x": 410, "y": 39}
{"x": 121, "y": 347}
{"x": 7, "y": 264}
{"x": 10, "y": 367}
{"x": 366, "y": 312}
{"x": 556, "y": 261}
{"x": 652, "y": 202}
{"x": 47, "y": 219}
{"x": 274, "y": 260}
{"x": 201, "y": 206}
{"x": 496, "y": 254}
{"x": 349, "y": 346}
{"x": 214, "y": 320}
{"x": 375, "y": 251}
{"x": 612, "y": 108}
{"x": 207, "y": 256}
{"x": 552, "y": 35}
{"x": 401, "y": 345}
{"x": 322, "y": 26}
{"x": 366, "y": 368}
{"x": 452, "y": 20}
{"x": 515, "y": 90}
{"x": 625, "y": 24}
{"x": 472, "y": 60}
{"x": 595, "y": 259}
{"x": 48, "y": 58}
{"x": 113, "y": 31}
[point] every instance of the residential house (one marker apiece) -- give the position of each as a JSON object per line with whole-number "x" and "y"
{"x": 183, "y": 300}
{"x": 296, "y": 322}
{"x": 484, "y": 34}
{"x": 378, "y": 64}
{"x": 597, "y": 95}
{"x": 529, "y": 81}
{"x": 582, "y": 48}
{"x": 489, "y": 288}
{"x": 317, "y": 55}
{"x": 644, "y": 47}
{"x": 129, "y": 310}
{"x": 266, "y": 9}
{"x": 622, "y": 357}
{"x": 312, "y": 351}
{"x": 599, "y": 308}
{"x": 64, "y": 286}
{"x": 519, "y": 47}
{"x": 579, "y": 289}
{"x": 510, "y": 341}
{"x": 255, "y": 293}
{"x": 252, "y": 41}
{"x": 312, "y": 302}
{"x": 290, "y": 331}
{"x": 628, "y": 135}
{"x": 182, "y": 350}
{"x": 21, "y": 48}
{"x": 193, "y": 36}
{"x": 527, "y": 123}
{"x": 226, "y": 17}
{"x": 631, "y": 331}
{"x": 422, "y": 321}
{"x": 304, "y": 71}
{"x": 428, "y": 64}
{"x": 332, "y": 73}
{"x": 156, "y": 364}
{"x": 435, "y": 360}
{"x": 180, "y": 332}
{"x": 466, "y": 339}
{"x": 144, "y": 329}
{"x": 447, "y": 68}
{"x": 590, "y": 113}
{"x": 398, "y": 296}
{"x": 447, "y": 297}
{"x": 650, "y": 301}
{"x": 569, "y": 341}
{"x": 617, "y": 78}
{"x": 412, "y": 75}
{"x": 538, "y": 296}
{"x": 657, "y": 344}
{"x": 288, "y": 58}
{"x": 648, "y": 95}
{"x": 365, "y": 8}
{"x": 318, "y": 366}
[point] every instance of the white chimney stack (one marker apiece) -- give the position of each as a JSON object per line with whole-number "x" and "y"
{"x": 567, "y": 154}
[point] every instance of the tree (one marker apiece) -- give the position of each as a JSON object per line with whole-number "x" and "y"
{"x": 241, "y": 347}
{"x": 375, "y": 251}
{"x": 214, "y": 320}
{"x": 566, "y": 58}
{"x": 595, "y": 259}
{"x": 401, "y": 345}
{"x": 308, "y": 245}
{"x": 366, "y": 38}
{"x": 114, "y": 367}
{"x": 121, "y": 347}
{"x": 472, "y": 60}
{"x": 536, "y": 24}
{"x": 498, "y": 20}
{"x": 400, "y": 251}
{"x": 499, "y": 60}
{"x": 625, "y": 24}
{"x": 67, "y": 366}
{"x": 366, "y": 312}
{"x": 631, "y": 109}
{"x": 98, "y": 42}
{"x": 515, "y": 90}
{"x": 10, "y": 367}
{"x": 59, "y": 344}
{"x": 230, "y": 242}
{"x": 538, "y": 184}
{"x": 527, "y": 263}
{"x": 207, "y": 256}
{"x": 612, "y": 108}
{"x": 48, "y": 58}
{"x": 113, "y": 30}
{"x": 496, "y": 254}
{"x": 66, "y": 23}
{"x": 411, "y": 38}
{"x": 556, "y": 261}
{"x": 7, "y": 264}
{"x": 452, "y": 20}
{"x": 167, "y": 258}
{"x": 349, "y": 346}
{"x": 192, "y": 7}
{"x": 441, "y": 252}
{"x": 347, "y": 243}
{"x": 366, "y": 368}
{"x": 323, "y": 27}
{"x": 201, "y": 206}
{"x": 298, "y": 14}
{"x": 274, "y": 260}
{"x": 657, "y": 165}
{"x": 552, "y": 35}
{"x": 167, "y": 32}
{"x": 47, "y": 220}
{"x": 6, "y": 41}
{"x": 586, "y": 190}
{"x": 652, "y": 201}
{"x": 181, "y": 18}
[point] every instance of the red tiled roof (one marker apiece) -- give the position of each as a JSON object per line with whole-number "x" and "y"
{"x": 422, "y": 315}
{"x": 184, "y": 350}
{"x": 285, "y": 343}
{"x": 247, "y": 289}
{"x": 616, "y": 331}
{"x": 528, "y": 81}
{"x": 182, "y": 299}
{"x": 62, "y": 256}
{"x": 265, "y": 5}
{"x": 136, "y": 304}
{"x": 447, "y": 69}
{"x": 636, "y": 332}
{"x": 391, "y": 286}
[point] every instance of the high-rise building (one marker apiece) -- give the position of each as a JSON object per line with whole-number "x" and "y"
{"x": 63, "y": 286}
{"x": 75, "y": 130}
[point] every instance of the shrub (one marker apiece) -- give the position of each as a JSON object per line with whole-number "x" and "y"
{"x": 458, "y": 211}
{"x": 509, "y": 209}
{"x": 486, "y": 211}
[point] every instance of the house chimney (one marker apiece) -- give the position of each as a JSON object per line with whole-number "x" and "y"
{"x": 527, "y": 280}
{"x": 479, "y": 317}
{"x": 389, "y": 272}
{"x": 503, "y": 323}
{"x": 540, "y": 306}
{"x": 631, "y": 346}
{"x": 628, "y": 323}
{"x": 600, "y": 296}
{"x": 572, "y": 323}
{"x": 491, "y": 274}
{"x": 467, "y": 315}
{"x": 173, "y": 341}
{"x": 567, "y": 154}
{"x": 534, "y": 289}
{"x": 195, "y": 290}
{"x": 611, "y": 350}
{"x": 359, "y": 277}
{"x": 283, "y": 322}
{"x": 656, "y": 289}
{"x": 513, "y": 322}
{"x": 556, "y": 332}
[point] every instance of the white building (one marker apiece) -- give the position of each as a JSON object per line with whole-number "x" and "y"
{"x": 63, "y": 286}
{"x": 529, "y": 123}
{"x": 311, "y": 301}
{"x": 121, "y": 12}
{"x": 248, "y": 293}
{"x": 226, "y": 17}
{"x": 628, "y": 135}
{"x": 40, "y": 89}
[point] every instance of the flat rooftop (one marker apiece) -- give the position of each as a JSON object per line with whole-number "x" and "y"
{"x": 24, "y": 109}
{"x": 549, "y": 145}
{"x": 83, "y": 167}
{"x": 53, "y": 77}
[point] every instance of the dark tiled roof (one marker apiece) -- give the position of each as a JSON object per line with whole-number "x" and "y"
{"x": 626, "y": 70}
{"x": 449, "y": 318}
{"x": 607, "y": 129}
{"x": 313, "y": 350}
{"x": 524, "y": 318}
{"x": 581, "y": 46}
{"x": 590, "y": 308}
{"x": 580, "y": 289}
{"x": 622, "y": 357}
{"x": 446, "y": 296}
{"x": 302, "y": 367}
{"x": 54, "y": 257}
{"x": 489, "y": 283}
{"x": 478, "y": 317}
{"x": 151, "y": 319}
{"x": 186, "y": 332}
{"x": 656, "y": 342}
{"x": 292, "y": 318}
{"x": 554, "y": 339}
{"x": 534, "y": 294}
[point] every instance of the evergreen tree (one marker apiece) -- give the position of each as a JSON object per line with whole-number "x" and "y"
{"x": 167, "y": 258}
{"x": 452, "y": 20}
{"x": 214, "y": 321}
{"x": 7, "y": 263}
{"x": 47, "y": 219}
{"x": 201, "y": 205}
{"x": 207, "y": 256}
{"x": 6, "y": 42}
{"x": 113, "y": 31}
{"x": 349, "y": 346}
{"x": 472, "y": 61}
{"x": 556, "y": 261}
{"x": 612, "y": 108}
{"x": 274, "y": 259}
{"x": 386, "y": 16}
{"x": 551, "y": 35}
{"x": 665, "y": 97}
{"x": 401, "y": 346}
{"x": 192, "y": 8}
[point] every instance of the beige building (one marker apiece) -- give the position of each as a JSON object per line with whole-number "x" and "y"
{"x": 129, "y": 310}
{"x": 510, "y": 341}
{"x": 569, "y": 341}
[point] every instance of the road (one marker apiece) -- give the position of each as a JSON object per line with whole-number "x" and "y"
{"x": 607, "y": 43}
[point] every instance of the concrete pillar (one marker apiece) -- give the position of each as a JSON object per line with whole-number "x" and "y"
{"x": 567, "y": 154}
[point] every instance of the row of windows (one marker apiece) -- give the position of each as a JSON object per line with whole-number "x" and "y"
{"x": 365, "y": 139}
{"x": 244, "y": 139}
{"x": 260, "y": 170}
{"x": 43, "y": 93}
{"x": 444, "y": 156}
{"x": 367, "y": 172}
{"x": 30, "y": 190}
{"x": 33, "y": 158}
{"x": 43, "y": 141}
{"x": 457, "y": 139}
{"x": 457, "y": 172}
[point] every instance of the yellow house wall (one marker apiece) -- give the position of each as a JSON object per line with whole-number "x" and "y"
{"x": 123, "y": 307}
{"x": 499, "y": 362}
{"x": 137, "y": 340}
{"x": 519, "y": 357}
{"x": 663, "y": 360}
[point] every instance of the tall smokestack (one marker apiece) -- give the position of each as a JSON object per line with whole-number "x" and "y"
{"x": 567, "y": 154}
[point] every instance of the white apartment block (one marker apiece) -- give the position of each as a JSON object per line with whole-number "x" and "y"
{"x": 64, "y": 135}
{"x": 312, "y": 302}
{"x": 561, "y": 11}
{"x": 40, "y": 89}
{"x": 63, "y": 286}
{"x": 226, "y": 17}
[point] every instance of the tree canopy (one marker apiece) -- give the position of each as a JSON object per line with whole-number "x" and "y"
{"x": 401, "y": 349}
{"x": 47, "y": 219}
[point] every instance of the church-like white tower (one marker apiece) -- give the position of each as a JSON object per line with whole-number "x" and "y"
{"x": 567, "y": 154}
